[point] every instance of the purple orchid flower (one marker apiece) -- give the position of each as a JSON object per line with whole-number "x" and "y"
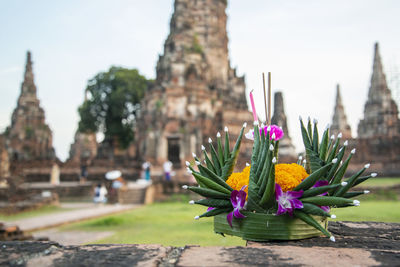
{"x": 274, "y": 130}
{"x": 287, "y": 201}
{"x": 325, "y": 208}
{"x": 238, "y": 199}
{"x": 323, "y": 183}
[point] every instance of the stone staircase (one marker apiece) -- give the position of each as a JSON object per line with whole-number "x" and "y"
{"x": 131, "y": 195}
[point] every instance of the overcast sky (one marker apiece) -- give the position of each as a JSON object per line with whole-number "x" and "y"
{"x": 309, "y": 46}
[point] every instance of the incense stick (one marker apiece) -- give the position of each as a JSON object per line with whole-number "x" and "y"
{"x": 265, "y": 98}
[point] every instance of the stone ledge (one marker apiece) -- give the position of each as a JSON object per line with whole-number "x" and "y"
{"x": 362, "y": 244}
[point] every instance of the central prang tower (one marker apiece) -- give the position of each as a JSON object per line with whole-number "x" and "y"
{"x": 196, "y": 92}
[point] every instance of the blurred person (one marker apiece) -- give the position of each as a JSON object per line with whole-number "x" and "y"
{"x": 167, "y": 170}
{"x": 146, "y": 169}
{"x": 84, "y": 172}
{"x": 97, "y": 193}
{"x": 100, "y": 193}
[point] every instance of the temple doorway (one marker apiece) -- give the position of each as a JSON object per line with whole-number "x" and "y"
{"x": 174, "y": 151}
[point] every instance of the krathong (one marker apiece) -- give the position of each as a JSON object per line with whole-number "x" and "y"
{"x": 271, "y": 201}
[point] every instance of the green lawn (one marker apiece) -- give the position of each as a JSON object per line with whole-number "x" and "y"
{"x": 380, "y": 211}
{"x": 172, "y": 224}
{"x": 381, "y": 182}
{"x": 33, "y": 213}
{"x": 169, "y": 224}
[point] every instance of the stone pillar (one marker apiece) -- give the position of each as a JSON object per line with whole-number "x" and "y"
{"x": 55, "y": 174}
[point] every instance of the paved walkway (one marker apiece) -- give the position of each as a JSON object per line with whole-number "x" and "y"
{"x": 83, "y": 211}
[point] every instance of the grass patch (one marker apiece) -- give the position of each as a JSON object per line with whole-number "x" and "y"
{"x": 47, "y": 209}
{"x": 106, "y": 222}
{"x": 168, "y": 224}
{"x": 380, "y": 182}
{"x": 380, "y": 194}
{"x": 379, "y": 211}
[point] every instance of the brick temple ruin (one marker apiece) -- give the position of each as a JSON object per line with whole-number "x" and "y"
{"x": 378, "y": 133}
{"x": 28, "y": 140}
{"x": 26, "y": 150}
{"x": 196, "y": 92}
{"x": 339, "y": 119}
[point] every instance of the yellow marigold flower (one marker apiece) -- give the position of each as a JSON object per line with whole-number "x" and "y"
{"x": 238, "y": 179}
{"x": 288, "y": 176}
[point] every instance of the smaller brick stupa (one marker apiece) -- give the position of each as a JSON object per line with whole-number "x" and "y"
{"x": 339, "y": 119}
{"x": 380, "y": 110}
{"x": 378, "y": 138}
{"x": 287, "y": 151}
{"x": 29, "y": 137}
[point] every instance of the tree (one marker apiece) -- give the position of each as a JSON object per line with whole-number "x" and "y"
{"x": 113, "y": 99}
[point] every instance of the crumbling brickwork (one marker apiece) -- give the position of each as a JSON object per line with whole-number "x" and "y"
{"x": 196, "y": 92}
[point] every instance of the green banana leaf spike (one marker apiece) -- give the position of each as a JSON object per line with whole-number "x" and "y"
{"x": 227, "y": 169}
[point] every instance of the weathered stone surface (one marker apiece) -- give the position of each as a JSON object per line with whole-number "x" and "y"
{"x": 196, "y": 92}
{"x": 357, "y": 244}
{"x": 287, "y": 151}
{"x": 29, "y": 137}
{"x": 276, "y": 255}
{"x": 339, "y": 120}
{"x": 52, "y": 254}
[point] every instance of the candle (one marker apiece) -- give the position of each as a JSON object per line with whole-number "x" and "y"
{"x": 269, "y": 98}
{"x": 253, "y": 107}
